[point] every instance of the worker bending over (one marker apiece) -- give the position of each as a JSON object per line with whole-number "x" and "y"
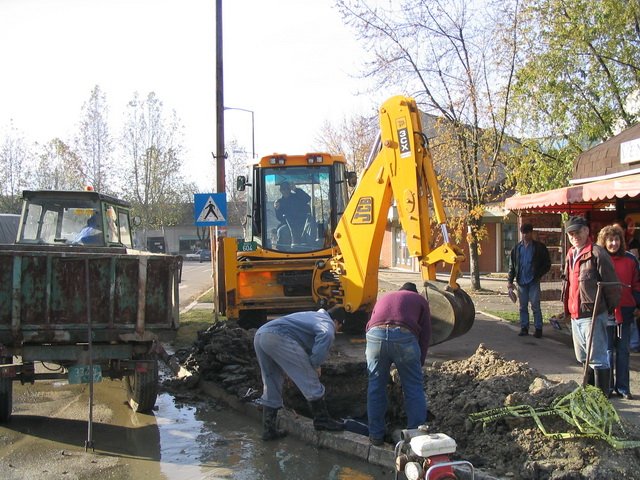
{"x": 398, "y": 332}
{"x": 296, "y": 345}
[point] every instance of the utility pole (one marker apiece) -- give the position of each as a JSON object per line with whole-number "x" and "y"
{"x": 219, "y": 285}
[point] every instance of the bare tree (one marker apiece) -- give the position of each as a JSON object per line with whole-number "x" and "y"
{"x": 452, "y": 57}
{"x": 153, "y": 181}
{"x": 93, "y": 143}
{"x": 15, "y": 171}
{"x": 58, "y": 168}
{"x": 352, "y": 138}
{"x": 236, "y": 164}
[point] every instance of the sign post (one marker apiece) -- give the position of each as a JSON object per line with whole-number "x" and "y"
{"x": 210, "y": 210}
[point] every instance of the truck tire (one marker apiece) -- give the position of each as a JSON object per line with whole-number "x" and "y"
{"x": 6, "y": 394}
{"x": 142, "y": 387}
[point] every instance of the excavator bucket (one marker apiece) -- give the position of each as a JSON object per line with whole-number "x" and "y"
{"x": 452, "y": 311}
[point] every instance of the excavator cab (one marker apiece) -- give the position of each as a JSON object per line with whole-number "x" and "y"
{"x": 294, "y": 203}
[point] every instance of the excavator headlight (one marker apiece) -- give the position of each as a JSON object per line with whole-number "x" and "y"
{"x": 276, "y": 161}
{"x": 315, "y": 159}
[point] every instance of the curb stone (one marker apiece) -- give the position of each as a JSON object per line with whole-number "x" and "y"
{"x": 301, "y": 427}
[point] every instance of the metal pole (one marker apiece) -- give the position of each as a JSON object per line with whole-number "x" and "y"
{"x": 89, "y": 442}
{"x": 585, "y": 373}
{"x": 220, "y": 154}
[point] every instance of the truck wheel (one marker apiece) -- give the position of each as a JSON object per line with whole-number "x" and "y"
{"x": 142, "y": 387}
{"x": 6, "y": 394}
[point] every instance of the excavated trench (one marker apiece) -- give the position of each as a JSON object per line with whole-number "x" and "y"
{"x": 507, "y": 448}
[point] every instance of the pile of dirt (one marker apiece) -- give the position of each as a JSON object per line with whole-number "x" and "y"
{"x": 515, "y": 447}
{"x": 509, "y": 447}
{"x": 224, "y": 354}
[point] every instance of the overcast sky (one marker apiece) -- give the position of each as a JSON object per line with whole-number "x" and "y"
{"x": 290, "y": 61}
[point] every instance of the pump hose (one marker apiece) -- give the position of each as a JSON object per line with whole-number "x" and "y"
{"x": 586, "y": 409}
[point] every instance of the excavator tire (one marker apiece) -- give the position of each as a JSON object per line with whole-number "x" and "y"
{"x": 452, "y": 311}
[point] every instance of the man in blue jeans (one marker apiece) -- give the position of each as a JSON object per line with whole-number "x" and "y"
{"x": 528, "y": 262}
{"x": 398, "y": 332}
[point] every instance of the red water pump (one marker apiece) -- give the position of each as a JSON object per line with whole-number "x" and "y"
{"x": 427, "y": 456}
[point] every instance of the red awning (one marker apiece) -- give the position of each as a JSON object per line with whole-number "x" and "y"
{"x": 552, "y": 200}
{"x": 577, "y": 197}
{"x": 627, "y": 186}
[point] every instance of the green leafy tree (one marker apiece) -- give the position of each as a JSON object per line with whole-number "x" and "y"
{"x": 152, "y": 180}
{"x": 456, "y": 58}
{"x": 577, "y": 77}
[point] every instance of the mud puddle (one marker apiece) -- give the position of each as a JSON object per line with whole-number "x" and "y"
{"x": 204, "y": 440}
{"x": 187, "y": 437}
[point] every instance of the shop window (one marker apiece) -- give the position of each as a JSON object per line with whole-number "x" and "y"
{"x": 509, "y": 240}
{"x": 401, "y": 252}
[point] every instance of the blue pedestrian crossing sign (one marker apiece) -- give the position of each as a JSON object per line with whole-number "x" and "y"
{"x": 210, "y": 209}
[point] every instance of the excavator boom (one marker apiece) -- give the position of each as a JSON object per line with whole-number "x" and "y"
{"x": 401, "y": 171}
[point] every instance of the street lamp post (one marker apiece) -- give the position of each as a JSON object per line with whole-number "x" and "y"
{"x": 253, "y": 136}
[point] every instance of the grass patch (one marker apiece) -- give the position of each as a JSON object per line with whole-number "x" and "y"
{"x": 514, "y": 317}
{"x": 191, "y": 323}
{"x": 510, "y": 316}
{"x": 206, "y": 297}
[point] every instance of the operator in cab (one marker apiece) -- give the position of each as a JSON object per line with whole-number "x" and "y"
{"x": 292, "y": 210}
{"x": 91, "y": 233}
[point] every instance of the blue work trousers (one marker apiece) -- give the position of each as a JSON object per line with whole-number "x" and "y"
{"x": 387, "y": 345}
{"x": 530, "y": 294}
{"x": 580, "y": 331}
{"x": 280, "y": 356}
{"x": 618, "y": 350}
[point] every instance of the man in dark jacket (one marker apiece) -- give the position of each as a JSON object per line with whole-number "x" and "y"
{"x": 292, "y": 211}
{"x": 528, "y": 262}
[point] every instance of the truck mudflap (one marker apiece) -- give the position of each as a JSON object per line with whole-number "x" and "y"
{"x": 452, "y": 311}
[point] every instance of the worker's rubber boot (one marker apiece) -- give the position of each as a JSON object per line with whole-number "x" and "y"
{"x": 321, "y": 418}
{"x": 603, "y": 376}
{"x": 590, "y": 376}
{"x": 270, "y": 424}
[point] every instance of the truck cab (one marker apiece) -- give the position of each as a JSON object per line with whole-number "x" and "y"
{"x": 85, "y": 218}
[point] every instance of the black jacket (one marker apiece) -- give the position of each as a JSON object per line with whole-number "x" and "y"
{"x": 540, "y": 259}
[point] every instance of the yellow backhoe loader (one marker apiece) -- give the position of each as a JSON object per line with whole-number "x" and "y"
{"x": 307, "y": 245}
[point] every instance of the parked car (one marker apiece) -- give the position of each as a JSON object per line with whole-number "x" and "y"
{"x": 201, "y": 255}
{"x": 193, "y": 256}
{"x": 205, "y": 255}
